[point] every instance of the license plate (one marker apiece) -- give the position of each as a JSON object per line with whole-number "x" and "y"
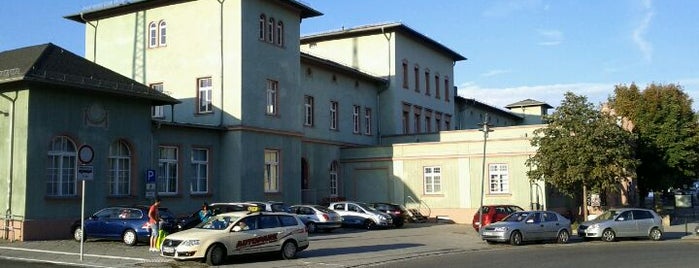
{"x": 168, "y": 250}
{"x": 488, "y": 233}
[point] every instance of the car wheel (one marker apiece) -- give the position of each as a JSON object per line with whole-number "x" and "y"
{"x": 516, "y": 238}
{"x": 369, "y": 225}
{"x": 655, "y": 234}
{"x": 289, "y": 250}
{"x": 608, "y": 235}
{"x": 129, "y": 237}
{"x": 215, "y": 255}
{"x": 78, "y": 234}
{"x": 563, "y": 236}
{"x": 312, "y": 228}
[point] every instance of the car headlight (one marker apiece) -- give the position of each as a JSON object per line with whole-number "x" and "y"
{"x": 593, "y": 227}
{"x": 500, "y": 229}
{"x": 190, "y": 243}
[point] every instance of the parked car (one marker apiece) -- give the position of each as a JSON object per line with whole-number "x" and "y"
{"x": 272, "y": 206}
{"x": 317, "y": 217}
{"x": 361, "y": 214}
{"x": 528, "y": 226}
{"x": 398, "y": 212}
{"x": 237, "y": 233}
{"x": 623, "y": 222}
{"x": 193, "y": 219}
{"x": 493, "y": 213}
{"x": 125, "y": 223}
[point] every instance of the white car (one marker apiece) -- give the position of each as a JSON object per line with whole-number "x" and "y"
{"x": 361, "y": 214}
{"x": 238, "y": 233}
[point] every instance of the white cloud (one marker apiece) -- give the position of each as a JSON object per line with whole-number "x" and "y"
{"x": 551, "y": 94}
{"x": 494, "y": 73}
{"x": 550, "y": 37}
{"x": 638, "y": 34}
{"x": 596, "y": 93}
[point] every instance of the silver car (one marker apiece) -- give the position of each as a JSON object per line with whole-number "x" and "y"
{"x": 317, "y": 217}
{"x": 528, "y": 226}
{"x": 361, "y": 214}
{"x": 623, "y": 222}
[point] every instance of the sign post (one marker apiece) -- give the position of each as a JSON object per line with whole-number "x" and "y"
{"x": 85, "y": 172}
{"x": 150, "y": 183}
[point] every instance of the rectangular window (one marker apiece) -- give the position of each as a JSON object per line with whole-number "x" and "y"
{"x": 406, "y": 118}
{"x": 157, "y": 111}
{"x": 119, "y": 175}
{"x": 205, "y": 89}
{"x": 272, "y": 97}
{"x": 447, "y": 87}
{"x": 436, "y": 86}
{"x": 416, "y": 72}
{"x": 437, "y": 121}
{"x": 271, "y": 171}
{"x": 499, "y": 179}
{"x": 167, "y": 170}
{"x": 417, "y": 113}
{"x": 433, "y": 180}
{"x": 356, "y": 126}
{"x": 427, "y": 80}
{"x": 428, "y": 121}
{"x": 308, "y": 110}
{"x": 367, "y": 121}
{"x": 333, "y": 178}
{"x": 333, "y": 115}
{"x": 405, "y": 75}
{"x": 447, "y": 122}
{"x": 200, "y": 169}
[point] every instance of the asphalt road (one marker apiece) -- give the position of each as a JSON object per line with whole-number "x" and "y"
{"x": 622, "y": 254}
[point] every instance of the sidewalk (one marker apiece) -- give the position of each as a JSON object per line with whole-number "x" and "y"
{"x": 344, "y": 248}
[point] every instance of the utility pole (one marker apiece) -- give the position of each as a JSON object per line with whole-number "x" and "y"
{"x": 486, "y": 128}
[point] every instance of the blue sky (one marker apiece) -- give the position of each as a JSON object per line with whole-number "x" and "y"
{"x": 516, "y": 49}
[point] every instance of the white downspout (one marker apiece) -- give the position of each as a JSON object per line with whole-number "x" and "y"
{"x": 10, "y": 177}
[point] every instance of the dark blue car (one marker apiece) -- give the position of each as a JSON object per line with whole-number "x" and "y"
{"x": 125, "y": 223}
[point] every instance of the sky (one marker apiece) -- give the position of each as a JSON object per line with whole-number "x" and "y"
{"x": 515, "y": 49}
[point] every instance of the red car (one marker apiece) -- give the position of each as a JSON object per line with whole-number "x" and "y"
{"x": 493, "y": 213}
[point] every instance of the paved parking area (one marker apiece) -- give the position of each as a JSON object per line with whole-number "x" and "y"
{"x": 341, "y": 248}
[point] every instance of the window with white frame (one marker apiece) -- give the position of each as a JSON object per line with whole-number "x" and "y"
{"x": 263, "y": 22}
{"x": 271, "y": 171}
{"x": 200, "y": 169}
{"x": 119, "y": 175}
{"x": 272, "y": 97}
{"x": 157, "y": 111}
{"x": 433, "y": 180}
{"x": 279, "y": 35}
{"x": 367, "y": 121}
{"x": 162, "y": 28}
{"x": 308, "y": 110}
{"x": 205, "y": 89}
{"x": 61, "y": 171}
{"x": 167, "y": 170}
{"x": 152, "y": 35}
{"x": 499, "y": 178}
{"x": 355, "y": 119}
{"x": 333, "y": 178}
{"x": 333, "y": 115}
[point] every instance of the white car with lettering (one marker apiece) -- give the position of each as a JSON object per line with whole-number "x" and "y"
{"x": 238, "y": 233}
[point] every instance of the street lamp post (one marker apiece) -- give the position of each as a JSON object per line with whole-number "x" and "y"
{"x": 486, "y": 128}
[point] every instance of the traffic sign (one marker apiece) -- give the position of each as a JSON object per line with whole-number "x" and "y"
{"x": 150, "y": 176}
{"x": 85, "y": 172}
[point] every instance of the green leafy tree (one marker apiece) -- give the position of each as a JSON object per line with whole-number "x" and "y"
{"x": 582, "y": 148}
{"x": 666, "y": 127}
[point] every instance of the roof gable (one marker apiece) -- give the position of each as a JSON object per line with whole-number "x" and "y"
{"x": 54, "y": 65}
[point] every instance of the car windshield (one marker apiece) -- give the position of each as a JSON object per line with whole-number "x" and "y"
{"x": 516, "y": 217}
{"x": 322, "y": 209}
{"x": 366, "y": 207}
{"x": 218, "y": 222}
{"x": 608, "y": 215}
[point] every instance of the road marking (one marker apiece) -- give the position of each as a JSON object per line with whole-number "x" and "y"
{"x": 52, "y": 262}
{"x": 75, "y": 254}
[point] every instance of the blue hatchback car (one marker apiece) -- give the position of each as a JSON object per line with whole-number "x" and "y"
{"x": 125, "y": 223}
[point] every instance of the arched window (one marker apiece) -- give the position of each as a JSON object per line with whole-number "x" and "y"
{"x": 263, "y": 21}
{"x": 162, "y": 26}
{"x": 333, "y": 179}
{"x": 61, "y": 168}
{"x": 280, "y": 33}
{"x": 119, "y": 175}
{"x": 152, "y": 35}
{"x": 270, "y": 30}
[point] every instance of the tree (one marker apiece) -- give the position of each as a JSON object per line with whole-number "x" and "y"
{"x": 582, "y": 148}
{"x": 666, "y": 127}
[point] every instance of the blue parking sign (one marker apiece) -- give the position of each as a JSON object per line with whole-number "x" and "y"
{"x": 150, "y": 176}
